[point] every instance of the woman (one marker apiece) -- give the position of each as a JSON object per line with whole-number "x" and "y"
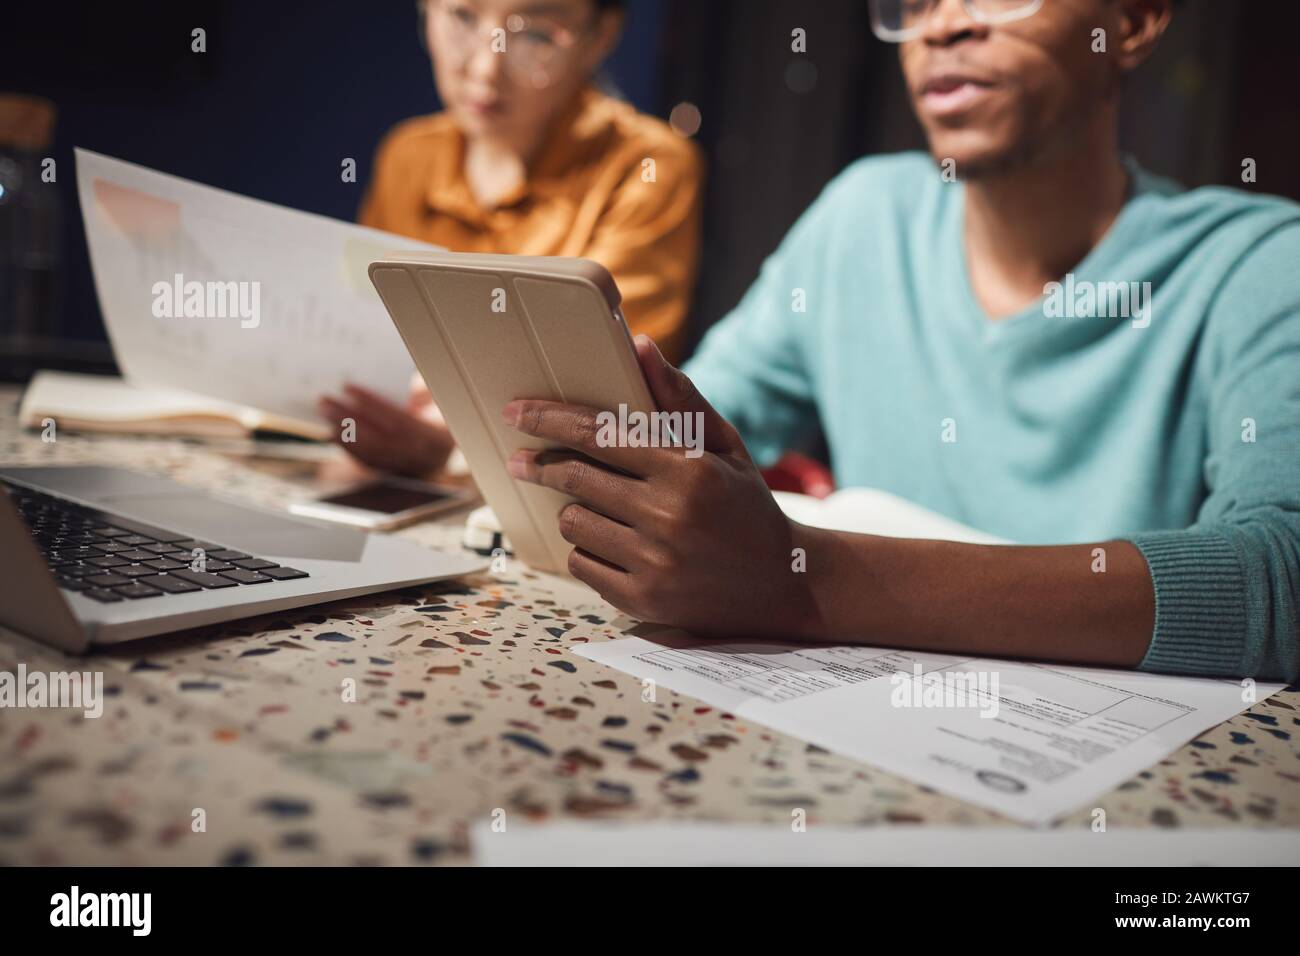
{"x": 528, "y": 158}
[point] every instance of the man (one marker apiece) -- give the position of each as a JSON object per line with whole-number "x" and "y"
{"x": 1144, "y": 448}
{"x": 528, "y": 158}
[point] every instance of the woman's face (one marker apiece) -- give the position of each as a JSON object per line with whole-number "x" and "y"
{"x": 505, "y": 68}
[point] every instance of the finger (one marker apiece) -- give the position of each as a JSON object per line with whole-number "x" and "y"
{"x": 588, "y": 431}
{"x": 594, "y": 533}
{"x": 611, "y": 583}
{"x": 611, "y": 494}
{"x": 674, "y": 392}
{"x": 365, "y": 428}
{"x": 336, "y": 413}
{"x": 375, "y": 407}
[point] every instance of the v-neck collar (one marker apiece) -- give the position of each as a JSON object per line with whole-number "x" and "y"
{"x": 1100, "y": 260}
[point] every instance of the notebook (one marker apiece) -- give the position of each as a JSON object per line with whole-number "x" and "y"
{"x": 104, "y": 403}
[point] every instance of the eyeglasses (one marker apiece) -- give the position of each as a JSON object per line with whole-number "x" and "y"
{"x": 533, "y": 48}
{"x": 897, "y": 21}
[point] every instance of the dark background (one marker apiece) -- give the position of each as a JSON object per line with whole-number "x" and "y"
{"x": 288, "y": 88}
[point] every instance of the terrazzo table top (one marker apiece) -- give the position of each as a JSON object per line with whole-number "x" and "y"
{"x": 468, "y": 702}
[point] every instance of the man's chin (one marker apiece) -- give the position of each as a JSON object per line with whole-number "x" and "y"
{"x": 973, "y": 157}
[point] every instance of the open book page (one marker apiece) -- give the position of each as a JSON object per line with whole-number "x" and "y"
{"x": 107, "y": 403}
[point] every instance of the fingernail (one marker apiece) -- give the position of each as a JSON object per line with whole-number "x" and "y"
{"x": 510, "y": 414}
{"x": 517, "y": 466}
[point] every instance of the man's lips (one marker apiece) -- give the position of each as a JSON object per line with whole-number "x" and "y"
{"x": 948, "y": 93}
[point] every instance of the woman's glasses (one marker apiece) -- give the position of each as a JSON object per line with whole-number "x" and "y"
{"x": 533, "y": 49}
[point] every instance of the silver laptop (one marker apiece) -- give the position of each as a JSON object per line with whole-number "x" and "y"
{"x": 94, "y": 555}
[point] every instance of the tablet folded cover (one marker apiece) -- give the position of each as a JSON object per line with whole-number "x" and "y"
{"x": 486, "y": 329}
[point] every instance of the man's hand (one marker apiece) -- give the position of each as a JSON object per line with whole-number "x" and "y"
{"x": 693, "y": 542}
{"x": 412, "y": 441}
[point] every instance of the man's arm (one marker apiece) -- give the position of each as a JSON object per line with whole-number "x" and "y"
{"x": 1043, "y": 602}
{"x": 1228, "y": 588}
{"x": 699, "y": 543}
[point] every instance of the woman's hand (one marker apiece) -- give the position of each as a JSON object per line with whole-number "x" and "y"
{"x": 692, "y": 542}
{"x": 412, "y": 441}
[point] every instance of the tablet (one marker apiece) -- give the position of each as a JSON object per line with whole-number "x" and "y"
{"x": 486, "y": 329}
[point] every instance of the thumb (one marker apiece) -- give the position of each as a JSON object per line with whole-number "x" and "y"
{"x": 673, "y": 391}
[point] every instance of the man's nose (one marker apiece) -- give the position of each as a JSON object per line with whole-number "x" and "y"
{"x": 948, "y": 22}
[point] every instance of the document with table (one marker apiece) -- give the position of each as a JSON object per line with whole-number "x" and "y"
{"x": 1030, "y": 741}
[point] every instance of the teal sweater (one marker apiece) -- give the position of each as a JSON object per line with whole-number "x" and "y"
{"x": 1170, "y": 420}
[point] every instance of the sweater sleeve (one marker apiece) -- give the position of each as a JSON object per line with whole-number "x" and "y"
{"x": 752, "y": 365}
{"x": 1227, "y": 589}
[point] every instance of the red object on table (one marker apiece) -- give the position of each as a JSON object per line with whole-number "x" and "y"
{"x": 801, "y": 474}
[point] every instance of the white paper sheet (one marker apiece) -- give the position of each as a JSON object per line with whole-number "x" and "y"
{"x": 872, "y": 511}
{"x": 320, "y": 321}
{"x": 688, "y": 843}
{"x": 1060, "y": 736}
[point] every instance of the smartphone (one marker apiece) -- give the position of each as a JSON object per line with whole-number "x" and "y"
{"x": 385, "y": 504}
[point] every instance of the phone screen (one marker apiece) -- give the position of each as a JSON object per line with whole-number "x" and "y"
{"x": 388, "y": 497}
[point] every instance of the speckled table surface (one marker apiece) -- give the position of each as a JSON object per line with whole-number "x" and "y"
{"x": 468, "y": 702}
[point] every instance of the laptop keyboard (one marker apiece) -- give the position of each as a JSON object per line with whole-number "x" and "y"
{"x": 110, "y": 558}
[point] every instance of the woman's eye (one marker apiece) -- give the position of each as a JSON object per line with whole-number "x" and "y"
{"x": 538, "y": 38}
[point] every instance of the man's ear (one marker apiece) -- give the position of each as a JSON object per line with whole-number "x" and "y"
{"x": 1142, "y": 24}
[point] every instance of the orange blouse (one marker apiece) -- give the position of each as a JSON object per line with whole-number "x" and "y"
{"x": 609, "y": 184}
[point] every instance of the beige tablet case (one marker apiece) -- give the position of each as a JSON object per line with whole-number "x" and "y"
{"x": 486, "y": 329}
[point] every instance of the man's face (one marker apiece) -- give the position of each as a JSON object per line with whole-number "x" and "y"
{"x": 992, "y": 97}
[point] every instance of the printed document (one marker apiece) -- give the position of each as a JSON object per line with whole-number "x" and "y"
{"x": 211, "y": 292}
{"x": 1030, "y": 741}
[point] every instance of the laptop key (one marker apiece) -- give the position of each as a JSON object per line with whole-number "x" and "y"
{"x": 79, "y": 570}
{"x": 170, "y": 583}
{"x": 284, "y": 574}
{"x": 246, "y": 577}
{"x": 136, "y": 539}
{"x": 165, "y": 564}
{"x": 226, "y": 554}
{"x": 189, "y": 544}
{"x": 82, "y": 552}
{"x": 135, "y": 570}
{"x": 254, "y": 564}
{"x": 136, "y": 555}
{"x": 139, "y": 528}
{"x": 160, "y": 548}
{"x": 73, "y": 584}
{"x": 102, "y": 595}
{"x": 111, "y": 561}
{"x": 136, "y": 590}
{"x": 204, "y": 579}
{"x": 107, "y": 580}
